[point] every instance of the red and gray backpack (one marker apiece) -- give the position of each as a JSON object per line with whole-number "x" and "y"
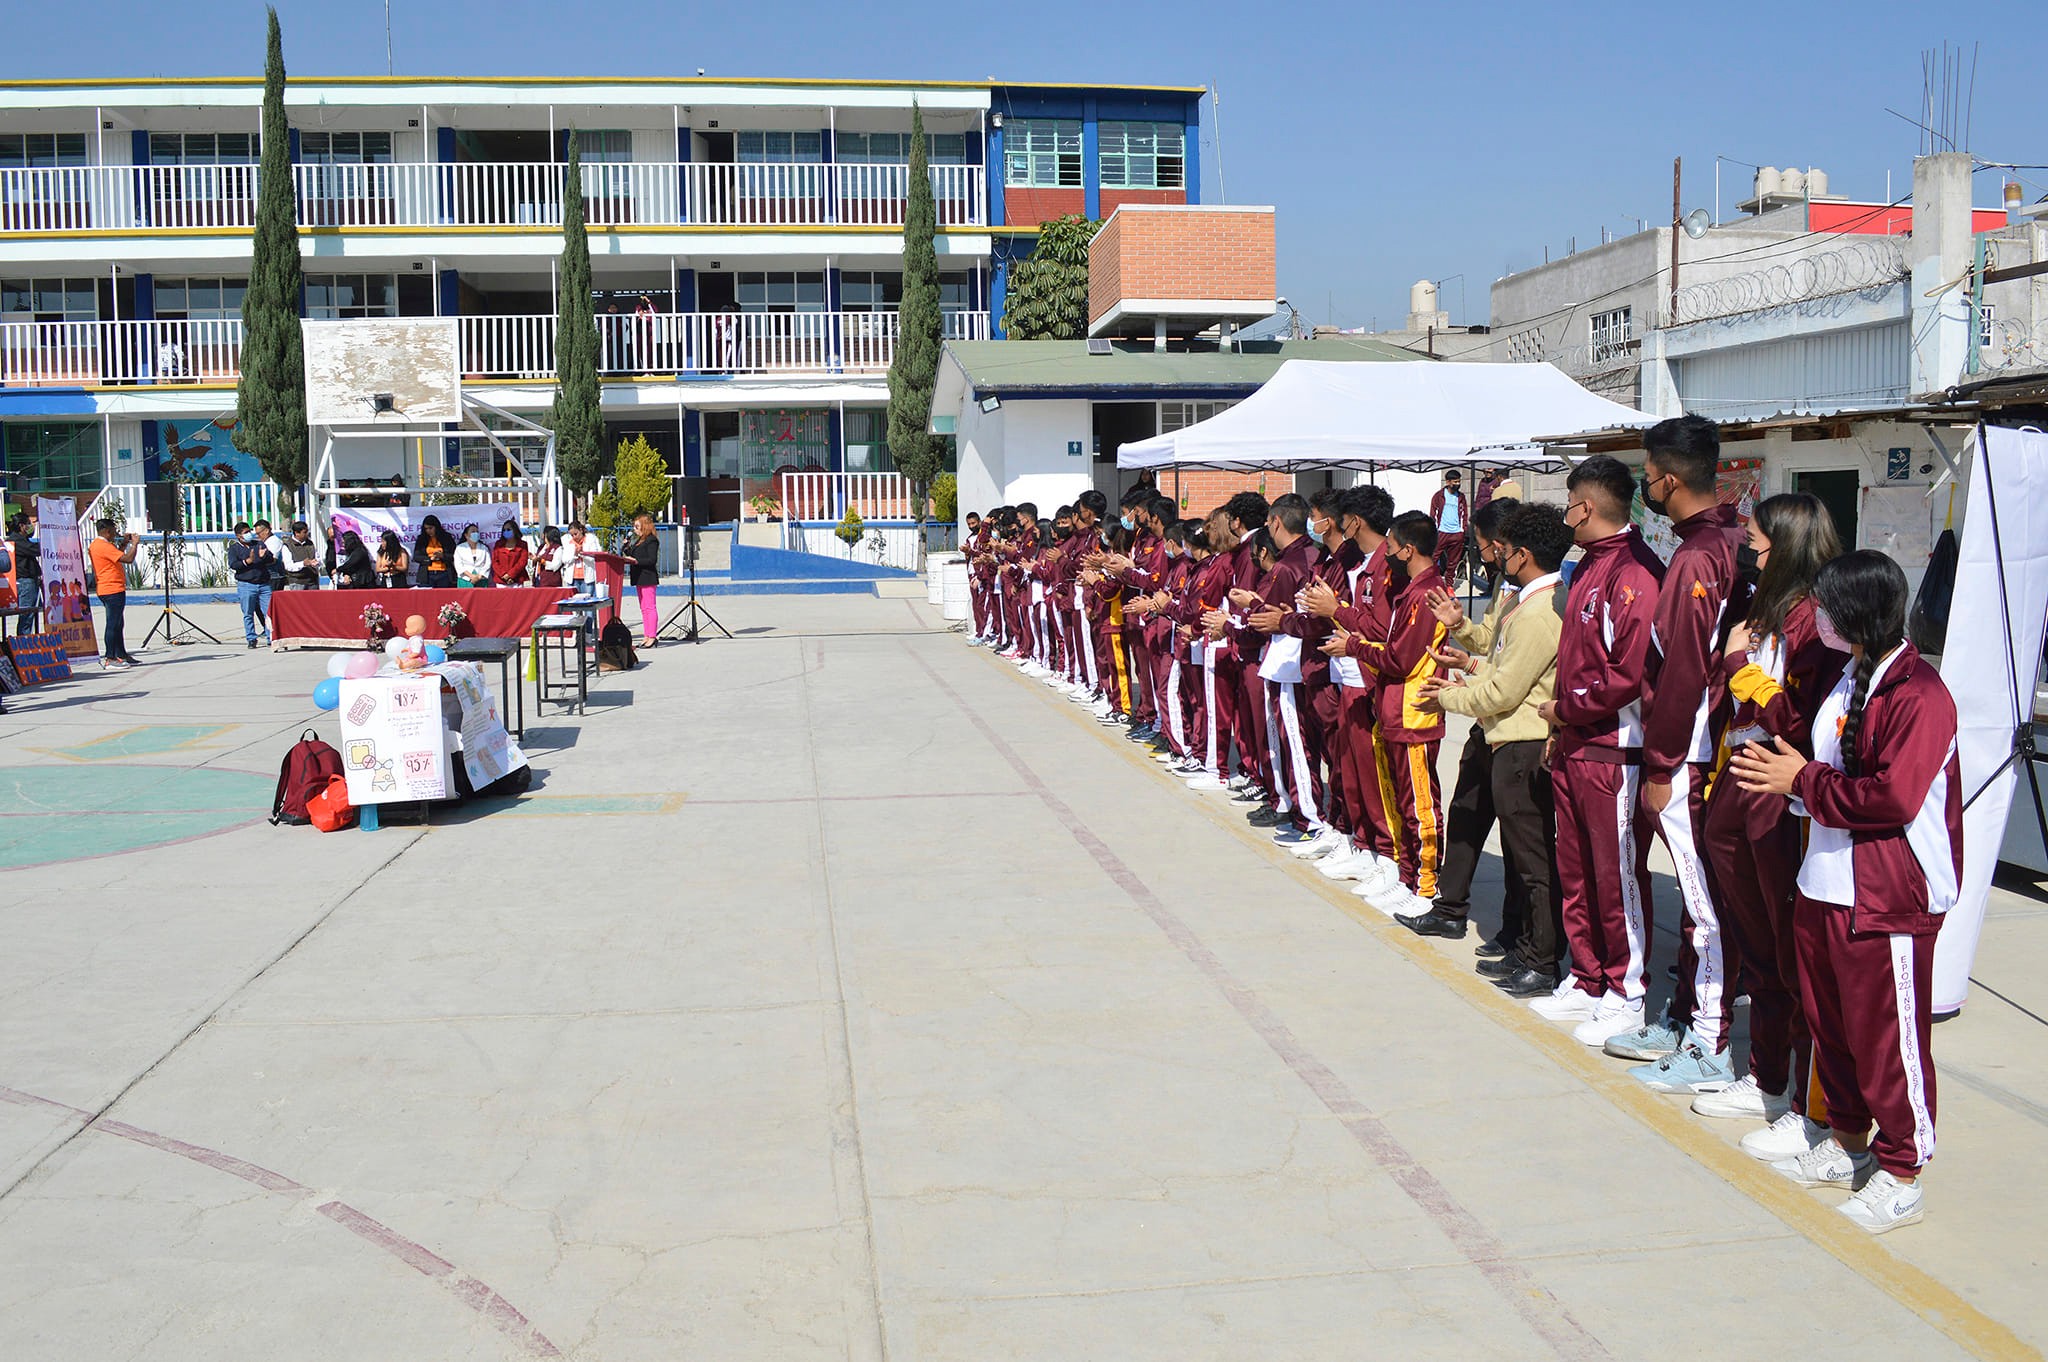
{"x": 302, "y": 775}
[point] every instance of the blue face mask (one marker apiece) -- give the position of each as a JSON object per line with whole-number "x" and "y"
{"x": 1127, "y": 522}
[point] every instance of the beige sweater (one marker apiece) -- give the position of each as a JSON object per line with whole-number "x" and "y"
{"x": 1519, "y": 674}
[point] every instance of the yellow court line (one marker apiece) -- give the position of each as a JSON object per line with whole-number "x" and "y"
{"x": 1912, "y": 1287}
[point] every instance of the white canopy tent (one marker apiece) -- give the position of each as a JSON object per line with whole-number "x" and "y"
{"x": 1314, "y": 414}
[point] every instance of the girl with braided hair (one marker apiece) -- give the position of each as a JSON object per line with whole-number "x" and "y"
{"x": 1882, "y": 795}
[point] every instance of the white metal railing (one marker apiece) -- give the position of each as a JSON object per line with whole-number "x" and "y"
{"x": 76, "y": 353}
{"x": 826, "y": 496}
{"x": 485, "y": 194}
{"x": 210, "y": 507}
{"x": 523, "y": 346}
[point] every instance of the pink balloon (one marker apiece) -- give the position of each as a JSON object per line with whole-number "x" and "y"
{"x": 360, "y": 666}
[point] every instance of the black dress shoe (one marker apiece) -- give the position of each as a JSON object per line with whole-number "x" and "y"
{"x": 1265, "y": 816}
{"x": 1498, "y": 968}
{"x": 1528, "y": 983}
{"x": 1493, "y": 948}
{"x": 1435, "y": 922}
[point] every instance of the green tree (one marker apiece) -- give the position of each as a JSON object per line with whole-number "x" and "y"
{"x": 1047, "y": 298}
{"x": 920, "y": 332}
{"x": 577, "y": 416}
{"x": 270, "y": 400}
{"x": 641, "y": 476}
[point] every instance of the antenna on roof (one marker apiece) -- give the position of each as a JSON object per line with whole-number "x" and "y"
{"x": 1216, "y": 105}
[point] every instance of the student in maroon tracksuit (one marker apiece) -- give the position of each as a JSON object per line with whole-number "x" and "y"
{"x": 1239, "y": 666}
{"x": 1603, "y": 659}
{"x": 1778, "y": 672}
{"x": 1410, "y": 729}
{"x": 1208, "y": 613}
{"x": 1295, "y": 761}
{"x": 1688, "y": 1049}
{"x": 1884, "y": 858}
{"x": 1322, "y": 697}
{"x": 1364, "y": 609}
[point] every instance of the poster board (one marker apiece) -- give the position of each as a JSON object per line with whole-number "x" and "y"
{"x": 394, "y": 748}
{"x": 39, "y": 658}
{"x": 488, "y": 752}
{"x": 67, "y": 585}
{"x": 1898, "y": 521}
{"x": 413, "y": 361}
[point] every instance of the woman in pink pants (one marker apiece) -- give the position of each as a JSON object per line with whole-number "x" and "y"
{"x": 645, "y": 551}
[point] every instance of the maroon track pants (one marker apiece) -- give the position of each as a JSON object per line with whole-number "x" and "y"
{"x": 1603, "y": 874}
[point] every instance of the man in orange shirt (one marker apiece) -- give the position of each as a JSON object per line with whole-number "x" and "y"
{"x": 110, "y": 557}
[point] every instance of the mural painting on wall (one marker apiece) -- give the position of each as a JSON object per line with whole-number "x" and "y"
{"x": 204, "y": 451}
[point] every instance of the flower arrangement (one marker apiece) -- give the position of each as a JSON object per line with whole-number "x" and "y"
{"x": 453, "y": 617}
{"x": 376, "y": 623}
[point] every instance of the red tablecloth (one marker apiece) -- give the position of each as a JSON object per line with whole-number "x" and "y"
{"x": 334, "y": 619}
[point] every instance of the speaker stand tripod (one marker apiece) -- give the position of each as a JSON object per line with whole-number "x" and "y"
{"x": 690, "y": 617}
{"x": 177, "y": 629}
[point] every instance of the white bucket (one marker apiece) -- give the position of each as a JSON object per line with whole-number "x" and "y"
{"x": 957, "y": 606}
{"x": 935, "y": 576}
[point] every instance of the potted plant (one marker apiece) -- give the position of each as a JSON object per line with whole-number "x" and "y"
{"x": 455, "y": 621}
{"x": 376, "y": 624}
{"x": 764, "y": 507}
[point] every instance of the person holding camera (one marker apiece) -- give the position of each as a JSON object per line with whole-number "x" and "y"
{"x": 110, "y": 555}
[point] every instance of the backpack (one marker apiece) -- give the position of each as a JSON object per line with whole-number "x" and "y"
{"x": 302, "y": 774}
{"x": 615, "y": 647}
{"x": 330, "y": 810}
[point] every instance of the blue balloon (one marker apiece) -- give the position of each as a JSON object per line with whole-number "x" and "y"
{"x": 327, "y": 694}
{"x": 436, "y": 653}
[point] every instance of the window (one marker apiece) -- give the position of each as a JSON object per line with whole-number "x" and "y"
{"x": 52, "y": 456}
{"x": 1141, "y": 155}
{"x": 893, "y": 148}
{"x": 1180, "y": 415}
{"x": 203, "y": 148}
{"x": 1987, "y": 322}
{"x": 331, "y": 297}
{"x": 20, "y": 151}
{"x": 956, "y": 293}
{"x": 867, "y": 441}
{"x": 870, "y": 291}
{"x": 779, "y": 291}
{"x": 781, "y": 148}
{"x": 784, "y": 438}
{"x": 1611, "y": 334}
{"x": 345, "y": 148}
{"x": 200, "y": 300}
{"x": 1042, "y": 153}
{"x": 49, "y": 300}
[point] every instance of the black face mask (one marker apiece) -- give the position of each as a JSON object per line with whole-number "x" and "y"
{"x": 1650, "y": 503}
{"x": 1746, "y": 567}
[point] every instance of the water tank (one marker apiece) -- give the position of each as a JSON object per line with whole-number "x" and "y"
{"x": 1817, "y": 183}
{"x": 1767, "y": 181}
{"x": 1422, "y": 296}
{"x": 1793, "y": 183}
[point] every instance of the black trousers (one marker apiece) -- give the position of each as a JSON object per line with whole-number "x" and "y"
{"x": 1508, "y": 785}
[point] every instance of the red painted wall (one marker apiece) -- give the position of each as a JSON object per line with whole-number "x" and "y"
{"x": 1025, "y": 207}
{"x": 1875, "y": 219}
{"x": 1112, "y": 198}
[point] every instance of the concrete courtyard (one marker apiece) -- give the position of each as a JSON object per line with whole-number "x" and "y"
{"x": 838, "y": 993}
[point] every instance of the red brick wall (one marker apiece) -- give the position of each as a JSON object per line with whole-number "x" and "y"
{"x": 1195, "y": 253}
{"x": 1202, "y": 490}
{"x": 1024, "y": 207}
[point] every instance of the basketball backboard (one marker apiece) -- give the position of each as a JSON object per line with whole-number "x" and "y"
{"x": 383, "y": 371}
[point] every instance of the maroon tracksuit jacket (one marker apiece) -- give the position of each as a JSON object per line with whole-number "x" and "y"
{"x": 1867, "y": 963}
{"x": 1603, "y": 660}
{"x": 1366, "y": 610}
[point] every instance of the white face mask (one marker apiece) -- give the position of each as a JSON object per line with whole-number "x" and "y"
{"x": 1825, "y": 627}
{"x": 1319, "y": 528}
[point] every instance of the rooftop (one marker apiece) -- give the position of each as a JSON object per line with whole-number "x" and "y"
{"x": 1009, "y": 368}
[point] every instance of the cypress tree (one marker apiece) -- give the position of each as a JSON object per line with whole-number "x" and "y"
{"x": 577, "y": 416}
{"x": 270, "y": 399}
{"x": 920, "y": 332}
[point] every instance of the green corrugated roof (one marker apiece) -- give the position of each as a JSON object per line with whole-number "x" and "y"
{"x": 1011, "y": 366}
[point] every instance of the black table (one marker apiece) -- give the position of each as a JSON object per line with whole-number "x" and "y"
{"x": 509, "y": 654}
{"x": 560, "y": 638}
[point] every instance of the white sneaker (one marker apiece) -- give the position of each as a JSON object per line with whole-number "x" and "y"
{"x": 1884, "y": 1203}
{"x": 1238, "y": 782}
{"x": 1785, "y": 1138}
{"x": 1827, "y": 1164}
{"x": 1374, "y": 881}
{"x": 1569, "y": 1003}
{"x": 1615, "y": 1015}
{"x": 1744, "y": 1098}
{"x": 1206, "y": 782}
{"x": 1405, "y": 903}
{"x": 1338, "y": 865}
{"x": 1325, "y": 842}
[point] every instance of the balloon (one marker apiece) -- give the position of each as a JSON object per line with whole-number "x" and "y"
{"x": 338, "y": 664}
{"x": 393, "y": 647}
{"x": 327, "y": 695}
{"x": 436, "y": 653}
{"x": 360, "y": 666}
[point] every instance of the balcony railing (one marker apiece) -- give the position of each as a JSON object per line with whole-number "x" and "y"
{"x": 171, "y": 353}
{"x": 210, "y": 507}
{"x": 485, "y": 194}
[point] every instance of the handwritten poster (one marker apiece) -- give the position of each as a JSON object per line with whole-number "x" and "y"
{"x": 393, "y": 745}
{"x": 488, "y": 752}
{"x": 67, "y": 589}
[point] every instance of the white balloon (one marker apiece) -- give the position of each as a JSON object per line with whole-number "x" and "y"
{"x": 338, "y": 664}
{"x": 393, "y": 647}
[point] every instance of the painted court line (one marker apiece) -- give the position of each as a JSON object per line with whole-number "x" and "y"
{"x": 495, "y": 1309}
{"x": 1541, "y": 1311}
{"x": 1917, "y": 1290}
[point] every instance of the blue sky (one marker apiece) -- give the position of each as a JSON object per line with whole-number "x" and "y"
{"x": 1398, "y": 141}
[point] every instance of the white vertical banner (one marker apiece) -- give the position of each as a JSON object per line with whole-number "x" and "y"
{"x": 1992, "y": 656}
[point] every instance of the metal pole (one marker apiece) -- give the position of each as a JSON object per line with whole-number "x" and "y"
{"x": 1672, "y": 315}
{"x": 387, "y": 37}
